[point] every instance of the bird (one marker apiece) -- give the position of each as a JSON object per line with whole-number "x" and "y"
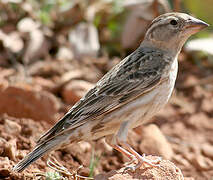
{"x": 131, "y": 93}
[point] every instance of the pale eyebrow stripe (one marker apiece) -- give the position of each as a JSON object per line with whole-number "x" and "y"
{"x": 159, "y": 25}
{"x": 154, "y": 22}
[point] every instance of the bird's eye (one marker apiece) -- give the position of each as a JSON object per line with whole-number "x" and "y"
{"x": 173, "y": 22}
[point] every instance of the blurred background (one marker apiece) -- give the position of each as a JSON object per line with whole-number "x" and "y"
{"x": 53, "y": 51}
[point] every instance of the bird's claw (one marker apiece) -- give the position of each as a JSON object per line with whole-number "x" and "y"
{"x": 133, "y": 159}
{"x": 131, "y": 168}
{"x": 154, "y": 163}
{"x": 142, "y": 160}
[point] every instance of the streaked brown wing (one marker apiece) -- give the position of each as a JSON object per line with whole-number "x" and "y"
{"x": 135, "y": 75}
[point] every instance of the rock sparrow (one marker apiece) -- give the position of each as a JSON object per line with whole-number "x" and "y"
{"x": 128, "y": 95}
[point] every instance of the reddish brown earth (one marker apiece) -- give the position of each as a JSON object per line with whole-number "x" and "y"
{"x": 185, "y": 125}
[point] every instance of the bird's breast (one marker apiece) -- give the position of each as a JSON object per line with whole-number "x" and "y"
{"x": 156, "y": 99}
{"x": 147, "y": 105}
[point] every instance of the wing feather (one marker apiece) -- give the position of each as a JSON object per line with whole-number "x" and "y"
{"x": 136, "y": 74}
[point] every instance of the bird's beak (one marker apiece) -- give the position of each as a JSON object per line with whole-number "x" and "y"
{"x": 195, "y": 25}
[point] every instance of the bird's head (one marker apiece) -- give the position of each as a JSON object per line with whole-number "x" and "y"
{"x": 170, "y": 31}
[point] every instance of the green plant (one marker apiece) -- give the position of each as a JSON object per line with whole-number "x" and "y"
{"x": 53, "y": 175}
{"x": 93, "y": 163}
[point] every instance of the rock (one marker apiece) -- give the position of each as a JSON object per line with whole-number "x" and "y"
{"x": 139, "y": 17}
{"x": 73, "y": 74}
{"x": 154, "y": 142}
{"x": 207, "y": 150}
{"x": 181, "y": 160}
{"x": 44, "y": 84}
{"x": 200, "y": 121}
{"x": 189, "y": 178}
{"x": 84, "y": 40}
{"x": 4, "y": 167}
{"x": 36, "y": 45}
{"x": 27, "y": 25}
{"x": 12, "y": 41}
{"x": 47, "y": 68}
{"x": 166, "y": 169}
{"x": 85, "y": 146}
{"x": 207, "y": 104}
{"x": 12, "y": 127}
{"x": 10, "y": 149}
{"x": 76, "y": 151}
{"x": 201, "y": 163}
{"x": 3, "y": 142}
{"x": 74, "y": 90}
{"x": 64, "y": 53}
{"x": 4, "y": 172}
{"x": 3, "y": 83}
{"x": 25, "y": 101}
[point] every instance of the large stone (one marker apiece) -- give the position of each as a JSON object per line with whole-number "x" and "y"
{"x": 25, "y": 102}
{"x": 74, "y": 90}
{"x": 154, "y": 142}
{"x": 166, "y": 170}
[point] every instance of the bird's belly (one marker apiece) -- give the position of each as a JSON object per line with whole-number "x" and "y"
{"x": 158, "y": 98}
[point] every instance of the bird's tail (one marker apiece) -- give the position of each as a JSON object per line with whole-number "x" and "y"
{"x": 39, "y": 151}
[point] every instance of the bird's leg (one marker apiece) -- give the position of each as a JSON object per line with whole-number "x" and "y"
{"x": 121, "y": 138}
{"x": 126, "y": 153}
{"x": 111, "y": 140}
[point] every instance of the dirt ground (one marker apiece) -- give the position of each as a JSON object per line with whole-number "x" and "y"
{"x": 30, "y": 104}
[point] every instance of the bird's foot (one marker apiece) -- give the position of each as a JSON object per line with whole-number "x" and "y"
{"x": 133, "y": 160}
{"x": 143, "y": 160}
{"x": 153, "y": 163}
